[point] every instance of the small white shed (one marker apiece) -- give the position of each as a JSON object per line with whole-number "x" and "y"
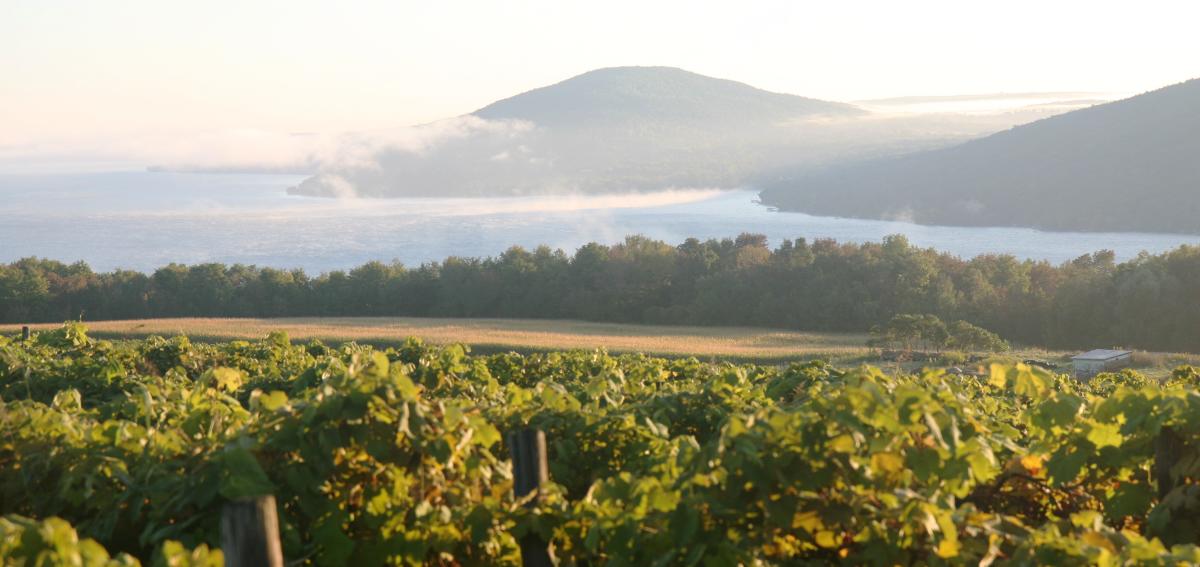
{"x": 1100, "y": 360}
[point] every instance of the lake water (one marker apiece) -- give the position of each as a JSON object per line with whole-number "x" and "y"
{"x": 143, "y": 220}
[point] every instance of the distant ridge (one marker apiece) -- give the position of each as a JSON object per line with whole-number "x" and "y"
{"x": 1063, "y": 95}
{"x": 618, "y": 129}
{"x": 632, "y": 129}
{"x": 656, "y": 94}
{"x": 1129, "y": 165}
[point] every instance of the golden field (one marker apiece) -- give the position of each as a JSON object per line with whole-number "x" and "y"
{"x": 488, "y": 335}
{"x": 739, "y": 344}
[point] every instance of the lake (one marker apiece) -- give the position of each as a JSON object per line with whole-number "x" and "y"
{"x": 143, "y": 220}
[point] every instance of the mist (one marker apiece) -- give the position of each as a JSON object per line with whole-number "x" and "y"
{"x": 600, "y": 146}
{"x": 631, "y": 130}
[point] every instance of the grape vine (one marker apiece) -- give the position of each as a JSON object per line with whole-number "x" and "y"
{"x": 120, "y": 453}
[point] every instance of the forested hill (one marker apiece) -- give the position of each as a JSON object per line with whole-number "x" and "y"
{"x": 1129, "y": 165}
{"x": 622, "y": 129}
{"x": 637, "y": 97}
{"x": 1148, "y": 302}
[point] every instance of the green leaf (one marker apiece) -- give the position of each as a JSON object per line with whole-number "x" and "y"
{"x": 67, "y": 400}
{"x": 1031, "y": 382}
{"x": 661, "y": 499}
{"x": 1105, "y": 435}
{"x": 268, "y": 402}
{"x": 241, "y": 475}
{"x": 226, "y": 379}
{"x": 1067, "y": 462}
{"x": 485, "y": 434}
{"x": 1057, "y": 412}
{"x": 924, "y": 462}
{"x": 843, "y": 443}
{"x": 334, "y": 547}
{"x": 378, "y": 366}
{"x": 1129, "y": 500}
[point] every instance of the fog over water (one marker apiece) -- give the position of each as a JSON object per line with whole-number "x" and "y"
{"x": 143, "y": 220}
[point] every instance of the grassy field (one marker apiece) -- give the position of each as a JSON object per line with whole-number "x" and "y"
{"x": 744, "y": 344}
{"x": 490, "y": 335}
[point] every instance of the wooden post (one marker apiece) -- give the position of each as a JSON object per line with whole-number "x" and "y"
{"x": 25, "y": 333}
{"x": 530, "y": 472}
{"x": 250, "y": 533}
{"x": 1168, "y": 448}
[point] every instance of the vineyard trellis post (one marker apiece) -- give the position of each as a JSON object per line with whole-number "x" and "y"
{"x": 530, "y": 472}
{"x": 1168, "y": 448}
{"x": 250, "y": 533}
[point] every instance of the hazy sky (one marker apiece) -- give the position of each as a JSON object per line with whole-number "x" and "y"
{"x": 81, "y": 74}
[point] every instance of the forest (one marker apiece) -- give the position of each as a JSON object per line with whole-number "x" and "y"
{"x": 1149, "y": 302}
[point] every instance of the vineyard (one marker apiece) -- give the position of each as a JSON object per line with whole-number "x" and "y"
{"x": 120, "y": 453}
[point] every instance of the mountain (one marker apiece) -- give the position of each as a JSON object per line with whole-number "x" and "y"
{"x": 1129, "y": 165}
{"x": 663, "y": 96}
{"x": 620, "y": 129}
{"x": 631, "y": 129}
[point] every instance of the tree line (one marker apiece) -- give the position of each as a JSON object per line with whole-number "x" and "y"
{"x": 1151, "y": 301}
{"x": 928, "y": 332}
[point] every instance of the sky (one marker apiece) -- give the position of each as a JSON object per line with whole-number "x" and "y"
{"x": 115, "y": 78}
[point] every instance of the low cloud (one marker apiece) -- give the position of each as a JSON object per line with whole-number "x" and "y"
{"x": 363, "y": 149}
{"x": 473, "y": 156}
{"x": 248, "y": 149}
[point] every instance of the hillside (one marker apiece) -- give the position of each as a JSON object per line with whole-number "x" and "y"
{"x": 656, "y": 95}
{"x": 1129, "y": 165}
{"x": 610, "y": 130}
{"x": 626, "y": 129}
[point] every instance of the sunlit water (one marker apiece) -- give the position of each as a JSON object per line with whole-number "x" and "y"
{"x": 143, "y": 220}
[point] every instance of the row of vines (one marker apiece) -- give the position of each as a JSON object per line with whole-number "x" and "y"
{"x": 123, "y": 453}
